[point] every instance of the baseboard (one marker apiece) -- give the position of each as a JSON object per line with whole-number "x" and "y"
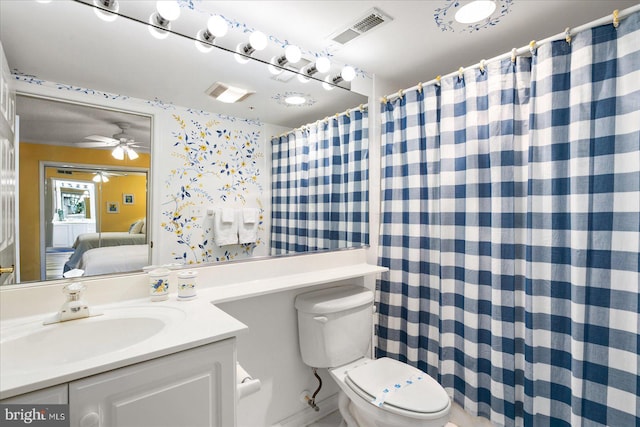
{"x": 308, "y": 415}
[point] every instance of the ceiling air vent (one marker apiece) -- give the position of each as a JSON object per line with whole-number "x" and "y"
{"x": 372, "y": 19}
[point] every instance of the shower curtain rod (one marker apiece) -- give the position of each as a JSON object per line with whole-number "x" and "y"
{"x": 614, "y": 18}
{"x": 361, "y": 107}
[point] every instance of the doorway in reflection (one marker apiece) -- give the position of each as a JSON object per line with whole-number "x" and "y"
{"x": 88, "y": 208}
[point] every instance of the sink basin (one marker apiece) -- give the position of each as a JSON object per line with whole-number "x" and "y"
{"x": 29, "y": 345}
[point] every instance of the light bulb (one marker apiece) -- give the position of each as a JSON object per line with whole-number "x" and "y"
{"x": 200, "y": 44}
{"x": 106, "y": 9}
{"x": 157, "y": 33}
{"x": 240, "y": 58}
{"x": 258, "y": 40}
{"x": 272, "y": 68}
{"x": 217, "y": 26}
{"x": 132, "y": 154}
{"x": 323, "y": 64}
{"x": 327, "y": 83}
{"x": 302, "y": 73}
{"x": 292, "y": 53}
{"x": 168, "y": 9}
{"x": 348, "y": 73}
{"x": 118, "y": 153}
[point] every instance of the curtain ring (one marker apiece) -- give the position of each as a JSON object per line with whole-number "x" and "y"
{"x": 460, "y": 73}
{"x": 400, "y": 94}
{"x": 420, "y": 87}
{"x": 383, "y": 100}
{"x": 532, "y": 47}
{"x": 616, "y": 18}
{"x": 567, "y": 35}
{"x": 361, "y": 108}
{"x": 482, "y": 66}
{"x": 438, "y": 78}
{"x": 514, "y": 52}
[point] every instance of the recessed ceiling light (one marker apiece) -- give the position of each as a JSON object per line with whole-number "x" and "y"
{"x": 295, "y": 100}
{"x": 475, "y": 11}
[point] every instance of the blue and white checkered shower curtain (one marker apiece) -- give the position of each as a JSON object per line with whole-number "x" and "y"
{"x": 319, "y": 187}
{"x": 511, "y": 228}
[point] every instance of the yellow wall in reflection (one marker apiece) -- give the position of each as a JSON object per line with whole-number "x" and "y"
{"x": 29, "y": 197}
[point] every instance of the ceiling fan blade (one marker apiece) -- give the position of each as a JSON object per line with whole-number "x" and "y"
{"x": 85, "y": 144}
{"x": 103, "y": 139}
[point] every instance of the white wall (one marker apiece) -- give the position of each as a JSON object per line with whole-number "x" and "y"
{"x": 270, "y": 352}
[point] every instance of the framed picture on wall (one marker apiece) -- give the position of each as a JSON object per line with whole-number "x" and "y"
{"x": 127, "y": 199}
{"x": 113, "y": 207}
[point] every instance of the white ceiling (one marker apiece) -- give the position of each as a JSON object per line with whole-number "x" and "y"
{"x": 64, "y": 42}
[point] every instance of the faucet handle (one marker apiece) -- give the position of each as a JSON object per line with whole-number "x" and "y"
{"x": 73, "y": 290}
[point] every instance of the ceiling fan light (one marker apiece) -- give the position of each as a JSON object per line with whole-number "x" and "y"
{"x": 99, "y": 177}
{"x": 118, "y": 153}
{"x": 132, "y": 154}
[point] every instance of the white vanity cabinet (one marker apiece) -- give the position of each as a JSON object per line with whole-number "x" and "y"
{"x": 194, "y": 388}
{"x": 58, "y": 394}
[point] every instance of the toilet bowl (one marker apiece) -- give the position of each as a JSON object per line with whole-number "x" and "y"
{"x": 334, "y": 328}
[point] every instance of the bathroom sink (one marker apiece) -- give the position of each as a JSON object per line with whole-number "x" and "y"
{"x": 33, "y": 344}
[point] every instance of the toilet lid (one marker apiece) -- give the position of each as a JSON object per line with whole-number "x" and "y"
{"x": 389, "y": 382}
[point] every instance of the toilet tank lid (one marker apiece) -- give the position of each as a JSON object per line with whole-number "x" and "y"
{"x": 333, "y": 300}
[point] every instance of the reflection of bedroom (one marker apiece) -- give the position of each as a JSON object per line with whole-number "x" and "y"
{"x": 76, "y": 216}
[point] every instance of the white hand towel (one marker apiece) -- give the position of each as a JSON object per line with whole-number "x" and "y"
{"x": 225, "y": 232}
{"x": 248, "y": 227}
{"x": 249, "y": 215}
{"x": 228, "y": 215}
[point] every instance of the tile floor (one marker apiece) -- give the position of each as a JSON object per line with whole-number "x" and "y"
{"x": 458, "y": 416}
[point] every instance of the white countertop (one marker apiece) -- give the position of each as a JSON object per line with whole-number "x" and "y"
{"x": 202, "y": 323}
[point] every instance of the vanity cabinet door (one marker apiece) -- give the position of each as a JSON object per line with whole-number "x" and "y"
{"x": 57, "y": 395}
{"x": 192, "y": 388}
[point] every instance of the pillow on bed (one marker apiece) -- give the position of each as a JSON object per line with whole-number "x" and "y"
{"x": 137, "y": 227}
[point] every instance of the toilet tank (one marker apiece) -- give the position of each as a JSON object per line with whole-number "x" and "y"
{"x": 334, "y": 325}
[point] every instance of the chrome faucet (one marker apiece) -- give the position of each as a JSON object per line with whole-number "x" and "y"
{"x": 74, "y": 307}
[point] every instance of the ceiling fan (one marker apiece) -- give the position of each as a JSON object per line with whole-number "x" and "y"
{"x": 103, "y": 176}
{"x": 121, "y": 141}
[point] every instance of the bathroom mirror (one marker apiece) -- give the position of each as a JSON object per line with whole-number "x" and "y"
{"x": 65, "y": 45}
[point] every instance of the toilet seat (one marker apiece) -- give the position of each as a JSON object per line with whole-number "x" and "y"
{"x": 398, "y": 388}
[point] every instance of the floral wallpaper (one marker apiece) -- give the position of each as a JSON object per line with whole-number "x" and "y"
{"x": 214, "y": 164}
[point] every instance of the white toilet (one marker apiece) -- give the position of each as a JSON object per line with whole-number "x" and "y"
{"x": 335, "y": 326}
